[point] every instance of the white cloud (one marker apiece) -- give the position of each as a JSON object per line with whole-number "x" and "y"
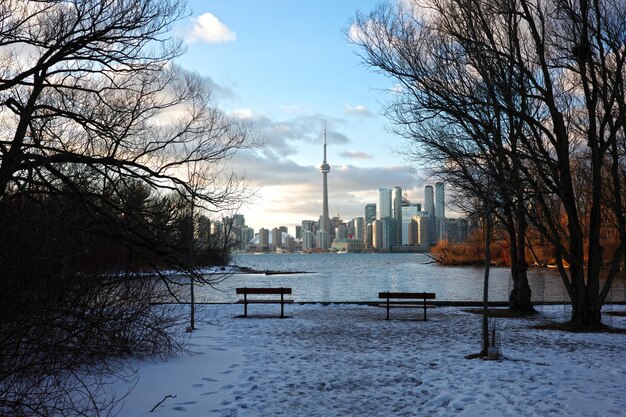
{"x": 208, "y": 28}
{"x": 359, "y": 110}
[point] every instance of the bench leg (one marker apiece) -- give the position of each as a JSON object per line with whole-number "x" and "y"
{"x": 282, "y": 305}
{"x": 387, "y": 309}
{"x": 245, "y": 305}
{"x": 424, "y": 309}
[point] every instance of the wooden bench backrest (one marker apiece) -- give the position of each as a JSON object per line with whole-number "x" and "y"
{"x": 247, "y": 290}
{"x": 412, "y": 295}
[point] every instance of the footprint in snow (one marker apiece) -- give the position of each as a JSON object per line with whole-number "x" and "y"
{"x": 197, "y": 385}
{"x": 209, "y": 379}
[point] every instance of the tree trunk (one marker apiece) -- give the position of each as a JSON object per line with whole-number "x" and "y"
{"x": 521, "y": 295}
{"x": 485, "y": 328}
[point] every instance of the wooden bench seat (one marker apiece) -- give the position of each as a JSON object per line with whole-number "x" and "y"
{"x": 408, "y": 300}
{"x": 263, "y": 291}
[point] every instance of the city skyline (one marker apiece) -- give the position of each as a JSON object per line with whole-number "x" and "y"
{"x": 307, "y": 73}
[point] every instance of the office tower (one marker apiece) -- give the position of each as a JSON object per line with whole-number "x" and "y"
{"x": 247, "y": 234}
{"x": 397, "y": 213}
{"x": 298, "y": 232}
{"x": 429, "y": 207}
{"x": 239, "y": 220}
{"x": 440, "y": 213}
{"x": 368, "y": 235}
{"x": 277, "y": 238}
{"x": 377, "y": 234}
{"x": 309, "y": 225}
{"x": 284, "y": 229}
{"x": 308, "y": 240}
{"x": 325, "y": 220}
{"x": 264, "y": 238}
{"x": 423, "y": 225}
{"x": 412, "y": 232}
{"x": 370, "y": 213}
{"x": 359, "y": 228}
{"x": 290, "y": 244}
{"x": 322, "y": 240}
{"x": 408, "y": 212}
{"x": 456, "y": 230}
{"x": 383, "y": 208}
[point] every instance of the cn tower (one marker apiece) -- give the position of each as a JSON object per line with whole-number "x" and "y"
{"x": 325, "y": 169}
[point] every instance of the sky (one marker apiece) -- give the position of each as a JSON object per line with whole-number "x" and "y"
{"x": 286, "y": 67}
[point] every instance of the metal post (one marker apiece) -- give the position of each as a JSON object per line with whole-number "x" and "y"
{"x": 388, "y": 308}
{"x": 424, "y": 308}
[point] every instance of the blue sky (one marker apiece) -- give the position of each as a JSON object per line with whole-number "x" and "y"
{"x": 285, "y": 67}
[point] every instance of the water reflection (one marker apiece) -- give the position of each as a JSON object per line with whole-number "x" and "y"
{"x": 359, "y": 277}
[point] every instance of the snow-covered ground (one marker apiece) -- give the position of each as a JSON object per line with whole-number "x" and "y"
{"x": 346, "y": 360}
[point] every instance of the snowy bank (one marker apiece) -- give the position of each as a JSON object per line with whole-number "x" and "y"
{"x": 346, "y": 360}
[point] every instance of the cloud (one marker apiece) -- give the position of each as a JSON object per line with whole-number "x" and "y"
{"x": 359, "y": 111}
{"x": 208, "y": 28}
{"x": 284, "y": 138}
{"x": 355, "y": 155}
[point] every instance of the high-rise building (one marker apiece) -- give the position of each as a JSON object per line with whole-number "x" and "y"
{"x": 309, "y": 225}
{"x": 298, "y": 232}
{"x": 264, "y": 238}
{"x": 325, "y": 220}
{"x": 359, "y": 228}
{"x": 440, "y": 212}
{"x": 383, "y": 208}
{"x": 370, "y": 213}
{"x": 377, "y": 234}
{"x": 423, "y": 225}
{"x": 308, "y": 240}
{"x": 277, "y": 238}
{"x": 239, "y": 220}
{"x": 397, "y": 213}
{"x": 412, "y": 232}
{"x": 429, "y": 207}
{"x": 408, "y": 212}
{"x": 456, "y": 230}
{"x": 322, "y": 240}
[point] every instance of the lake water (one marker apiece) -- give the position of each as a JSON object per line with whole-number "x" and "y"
{"x": 359, "y": 277}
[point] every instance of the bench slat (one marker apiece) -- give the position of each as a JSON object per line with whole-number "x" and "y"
{"x": 407, "y": 305}
{"x": 422, "y": 295}
{"x": 263, "y": 290}
{"x": 264, "y": 301}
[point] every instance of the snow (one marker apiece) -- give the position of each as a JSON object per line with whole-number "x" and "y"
{"x": 346, "y": 360}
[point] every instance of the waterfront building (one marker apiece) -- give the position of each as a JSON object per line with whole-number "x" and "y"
{"x": 264, "y": 239}
{"x": 284, "y": 229}
{"x": 389, "y": 233}
{"x": 397, "y": 213}
{"x": 456, "y": 230}
{"x": 290, "y": 244}
{"x": 322, "y": 240}
{"x": 383, "y": 208}
{"x": 308, "y": 240}
{"x": 247, "y": 234}
{"x": 277, "y": 238}
{"x": 298, "y": 232}
{"x": 412, "y": 232}
{"x": 440, "y": 212}
{"x": 377, "y": 234}
{"x": 408, "y": 212}
{"x": 369, "y": 243}
{"x": 370, "y": 213}
{"x": 348, "y": 245}
{"x": 423, "y": 225}
{"x": 341, "y": 232}
{"x": 309, "y": 225}
{"x": 325, "y": 220}
{"x": 239, "y": 220}
{"x": 358, "y": 228}
{"x": 429, "y": 207}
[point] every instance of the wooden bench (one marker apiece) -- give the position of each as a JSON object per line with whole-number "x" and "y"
{"x": 263, "y": 291}
{"x": 409, "y": 300}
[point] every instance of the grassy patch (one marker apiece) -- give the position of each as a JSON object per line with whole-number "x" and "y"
{"x": 505, "y": 313}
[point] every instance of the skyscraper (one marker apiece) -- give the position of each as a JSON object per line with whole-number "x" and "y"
{"x": 397, "y": 213}
{"x": 440, "y": 213}
{"x": 325, "y": 169}
{"x": 370, "y": 213}
{"x": 429, "y": 207}
{"x": 383, "y": 208}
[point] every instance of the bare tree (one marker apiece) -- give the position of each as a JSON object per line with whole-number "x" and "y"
{"x": 448, "y": 106}
{"x": 546, "y": 81}
{"x": 94, "y": 111}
